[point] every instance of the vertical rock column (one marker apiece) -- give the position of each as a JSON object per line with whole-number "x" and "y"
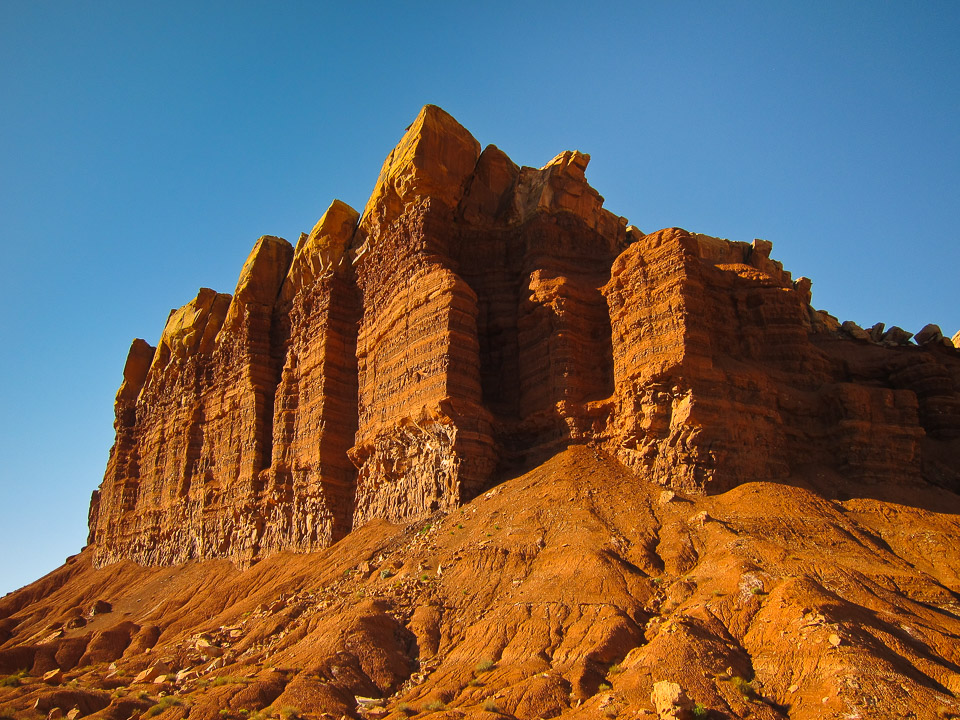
{"x": 313, "y": 481}
{"x": 424, "y": 439}
{"x": 190, "y": 485}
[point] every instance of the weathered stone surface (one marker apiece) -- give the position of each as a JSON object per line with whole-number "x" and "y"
{"x": 896, "y": 336}
{"x": 434, "y": 159}
{"x": 671, "y": 701}
{"x": 190, "y": 450}
{"x": 854, "y": 330}
{"x": 928, "y": 333}
{"x": 479, "y": 316}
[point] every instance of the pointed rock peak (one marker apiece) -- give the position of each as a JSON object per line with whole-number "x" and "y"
{"x": 322, "y": 251}
{"x": 434, "y": 158}
{"x": 192, "y": 328}
{"x": 572, "y": 163}
{"x": 260, "y": 279}
{"x": 135, "y": 370}
{"x": 489, "y": 186}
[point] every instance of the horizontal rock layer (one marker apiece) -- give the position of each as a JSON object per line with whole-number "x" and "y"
{"x": 477, "y": 317}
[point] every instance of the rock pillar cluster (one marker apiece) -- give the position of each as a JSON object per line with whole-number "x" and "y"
{"x": 474, "y": 318}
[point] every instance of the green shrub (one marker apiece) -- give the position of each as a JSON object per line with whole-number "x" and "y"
{"x": 490, "y": 706}
{"x": 603, "y": 687}
{"x": 615, "y": 669}
{"x": 699, "y": 711}
{"x": 406, "y": 709}
{"x": 386, "y": 573}
{"x": 289, "y": 712}
{"x": 165, "y": 702}
{"x": 485, "y": 665}
{"x": 229, "y": 680}
{"x": 13, "y": 680}
{"x": 436, "y": 706}
{"x": 743, "y": 687}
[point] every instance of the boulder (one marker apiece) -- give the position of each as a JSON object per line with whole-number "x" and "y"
{"x": 671, "y": 702}
{"x": 928, "y": 334}
{"x": 896, "y": 336}
{"x": 855, "y": 331}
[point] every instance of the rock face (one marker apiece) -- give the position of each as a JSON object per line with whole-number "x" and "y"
{"x": 478, "y": 317}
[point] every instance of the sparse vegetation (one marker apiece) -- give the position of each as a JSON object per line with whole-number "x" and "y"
{"x": 743, "y": 687}
{"x": 229, "y": 680}
{"x": 13, "y": 680}
{"x": 386, "y": 573}
{"x": 485, "y": 665}
{"x": 436, "y": 706}
{"x": 475, "y": 682}
{"x": 603, "y": 687}
{"x": 757, "y": 591}
{"x": 406, "y": 709}
{"x": 490, "y": 706}
{"x": 165, "y": 702}
{"x": 700, "y": 711}
{"x": 615, "y": 669}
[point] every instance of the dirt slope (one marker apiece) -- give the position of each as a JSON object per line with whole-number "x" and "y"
{"x": 567, "y": 591}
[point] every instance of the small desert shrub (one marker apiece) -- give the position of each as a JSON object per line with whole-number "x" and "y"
{"x": 386, "y": 573}
{"x": 165, "y": 702}
{"x": 436, "y": 706}
{"x": 603, "y": 687}
{"x": 485, "y": 666}
{"x": 757, "y": 591}
{"x": 10, "y": 681}
{"x": 699, "y": 711}
{"x": 615, "y": 669}
{"x": 475, "y": 682}
{"x": 406, "y": 709}
{"x": 743, "y": 686}
{"x": 288, "y": 712}
{"x": 229, "y": 680}
{"x": 490, "y": 706}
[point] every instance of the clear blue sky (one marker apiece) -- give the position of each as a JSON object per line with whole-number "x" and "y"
{"x": 145, "y": 146}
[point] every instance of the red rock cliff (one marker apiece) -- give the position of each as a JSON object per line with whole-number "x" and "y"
{"x": 476, "y": 317}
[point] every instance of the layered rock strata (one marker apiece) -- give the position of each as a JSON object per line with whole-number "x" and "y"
{"x": 476, "y": 317}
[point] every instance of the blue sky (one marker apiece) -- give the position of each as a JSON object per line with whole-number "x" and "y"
{"x": 145, "y": 146}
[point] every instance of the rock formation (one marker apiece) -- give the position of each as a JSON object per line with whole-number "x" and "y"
{"x": 476, "y": 318}
{"x": 487, "y": 450}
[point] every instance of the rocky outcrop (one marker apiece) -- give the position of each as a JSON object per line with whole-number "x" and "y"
{"x": 475, "y": 318}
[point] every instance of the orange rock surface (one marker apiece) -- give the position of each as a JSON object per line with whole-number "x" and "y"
{"x": 476, "y": 317}
{"x": 487, "y": 448}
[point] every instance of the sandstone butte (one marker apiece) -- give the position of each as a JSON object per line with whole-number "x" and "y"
{"x": 485, "y": 450}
